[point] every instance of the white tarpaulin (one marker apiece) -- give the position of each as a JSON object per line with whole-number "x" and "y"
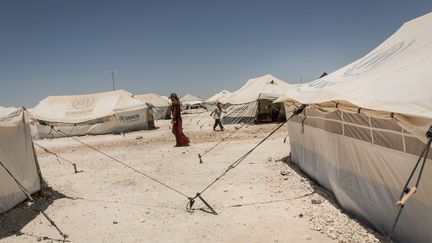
{"x": 253, "y": 101}
{"x": 217, "y": 97}
{"x": 162, "y": 106}
{"x": 189, "y": 100}
{"x": 393, "y": 78}
{"x": 364, "y": 128}
{"x": 18, "y": 156}
{"x": 99, "y": 113}
{"x": 266, "y": 87}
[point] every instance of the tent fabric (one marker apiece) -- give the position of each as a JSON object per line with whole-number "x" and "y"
{"x": 99, "y": 113}
{"x": 85, "y": 108}
{"x": 365, "y": 162}
{"x": 392, "y": 78}
{"x": 217, "y": 97}
{"x": 253, "y": 101}
{"x": 18, "y": 155}
{"x": 364, "y": 128}
{"x": 189, "y": 100}
{"x": 162, "y": 106}
{"x": 265, "y": 87}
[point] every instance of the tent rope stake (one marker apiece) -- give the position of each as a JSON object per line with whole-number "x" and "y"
{"x": 118, "y": 161}
{"x": 58, "y": 156}
{"x": 214, "y": 146}
{"x": 191, "y": 201}
{"x": 408, "y": 192}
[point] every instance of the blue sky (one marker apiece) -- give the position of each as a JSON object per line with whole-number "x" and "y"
{"x": 200, "y": 47}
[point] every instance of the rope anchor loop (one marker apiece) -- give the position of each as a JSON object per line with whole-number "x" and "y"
{"x": 191, "y": 202}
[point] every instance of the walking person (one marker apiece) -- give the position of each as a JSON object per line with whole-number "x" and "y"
{"x": 177, "y": 126}
{"x": 217, "y": 115}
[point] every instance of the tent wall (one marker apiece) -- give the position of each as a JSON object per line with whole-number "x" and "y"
{"x": 365, "y": 162}
{"x": 17, "y": 154}
{"x": 121, "y": 122}
{"x": 254, "y": 112}
{"x": 244, "y": 113}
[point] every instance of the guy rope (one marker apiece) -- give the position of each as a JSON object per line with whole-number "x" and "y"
{"x": 198, "y": 195}
{"x": 27, "y": 193}
{"x": 58, "y": 156}
{"x": 408, "y": 192}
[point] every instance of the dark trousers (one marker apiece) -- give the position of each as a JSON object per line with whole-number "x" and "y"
{"x": 218, "y": 122}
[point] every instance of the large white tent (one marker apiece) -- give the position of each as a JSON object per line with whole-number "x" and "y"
{"x": 162, "y": 106}
{"x": 18, "y": 156}
{"x": 253, "y": 101}
{"x": 191, "y": 100}
{"x": 365, "y": 127}
{"x": 98, "y": 113}
{"x": 218, "y": 97}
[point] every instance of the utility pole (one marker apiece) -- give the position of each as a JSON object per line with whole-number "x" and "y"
{"x": 113, "y": 78}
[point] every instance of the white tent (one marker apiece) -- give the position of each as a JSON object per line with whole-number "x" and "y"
{"x": 190, "y": 100}
{"x": 364, "y": 129}
{"x": 217, "y": 97}
{"x": 99, "y": 113}
{"x": 253, "y": 101}
{"x": 18, "y": 156}
{"x": 162, "y": 106}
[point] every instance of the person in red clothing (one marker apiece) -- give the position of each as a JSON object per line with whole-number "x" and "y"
{"x": 177, "y": 129}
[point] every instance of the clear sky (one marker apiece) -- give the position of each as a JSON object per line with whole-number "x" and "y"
{"x": 60, "y": 47}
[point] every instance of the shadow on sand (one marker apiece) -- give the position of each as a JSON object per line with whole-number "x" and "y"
{"x": 14, "y": 220}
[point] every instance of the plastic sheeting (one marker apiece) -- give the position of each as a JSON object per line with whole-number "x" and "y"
{"x": 17, "y": 154}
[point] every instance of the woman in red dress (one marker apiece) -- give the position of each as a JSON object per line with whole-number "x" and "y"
{"x": 177, "y": 129}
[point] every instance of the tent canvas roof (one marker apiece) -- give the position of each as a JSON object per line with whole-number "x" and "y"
{"x": 218, "y": 96}
{"x": 264, "y": 87}
{"x": 85, "y": 108}
{"x": 189, "y": 97}
{"x": 153, "y": 99}
{"x": 393, "y": 77}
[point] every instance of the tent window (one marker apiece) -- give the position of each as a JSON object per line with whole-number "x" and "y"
{"x": 336, "y": 115}
{"x": 358, "y": 133}
{"x": 388, "y": 140}
{"x": 385, "y": 124}
{"x": 360, "y": 119}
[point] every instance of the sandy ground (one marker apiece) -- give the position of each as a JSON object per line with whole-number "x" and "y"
{"x": 264, "y": 199}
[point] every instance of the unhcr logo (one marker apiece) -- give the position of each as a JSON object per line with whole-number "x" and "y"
{"x": 83, "y": 103}
{"x": 130, "y": 118}
{"x": 374, "y": 59}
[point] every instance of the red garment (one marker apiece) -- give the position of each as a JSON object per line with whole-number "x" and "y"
{"x": 177, "y": 129}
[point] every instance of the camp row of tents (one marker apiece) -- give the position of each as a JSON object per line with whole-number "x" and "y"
{"x": 360, "y": 135}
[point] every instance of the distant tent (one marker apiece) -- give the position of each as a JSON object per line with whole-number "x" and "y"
{"x": 254, "y": 101}
{"x": 99, "y": 113}
{"x": 162, "y": 106}
{"x": 18, "y": 156}
{"x": 217, "y": 97}
{"x": 365, "y": 127}
{"x": 190, "y": 100}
